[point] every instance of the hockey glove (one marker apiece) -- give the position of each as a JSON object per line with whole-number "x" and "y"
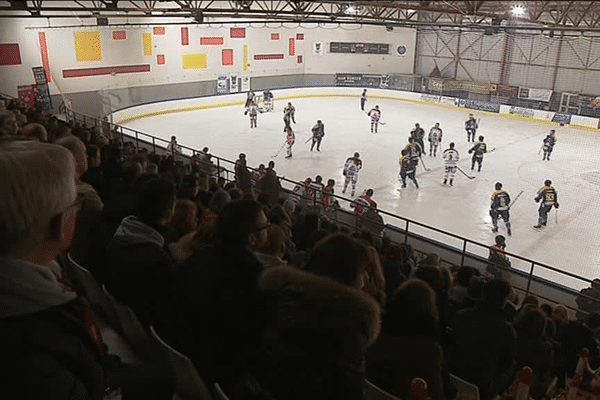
{"x": 556, "y": 205}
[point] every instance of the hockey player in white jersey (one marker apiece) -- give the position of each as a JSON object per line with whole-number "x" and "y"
{"x": 435, "y": 138}
{"x": 351, "y": 169}
{"x": 290, "y": 138}
{"x": 375, "y": 114}
{"x": 451, "y": 158}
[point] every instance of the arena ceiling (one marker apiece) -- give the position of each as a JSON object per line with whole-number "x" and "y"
{"x": 556, "y": 15}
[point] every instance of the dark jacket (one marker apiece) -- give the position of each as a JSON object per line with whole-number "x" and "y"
{"x": 46, "y": 350}
{"x": 574, "y": 336}
{"x": 484, "y": 347}
{"x": 216, "y": 312}
{"x": 408, "y": 347}
{"x": 316, "y": 339}
{"x": 141, "y": 272}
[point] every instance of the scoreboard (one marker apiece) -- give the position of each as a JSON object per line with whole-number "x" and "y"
{"x": 359, "y": 48}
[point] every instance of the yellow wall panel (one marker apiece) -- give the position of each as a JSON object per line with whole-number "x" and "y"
{"x": 195, "y": 60}
{"x": 87, "y": 45}
{"x": 245, "y": 57}
{"x": 147, "y": 39}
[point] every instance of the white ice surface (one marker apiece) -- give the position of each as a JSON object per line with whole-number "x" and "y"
{"x": 570, "y": 245}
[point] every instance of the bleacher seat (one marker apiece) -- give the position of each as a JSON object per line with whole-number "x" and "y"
{"x": 132, "y": 329}
{"x": 87, "y": 286}
{"x": 465, "y": 390}
{"x": 373, "y": 392}
{"x": 188, "y": 382}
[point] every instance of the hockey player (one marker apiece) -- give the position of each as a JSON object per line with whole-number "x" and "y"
{"x": 300, "y": 193}
{"x": 549, "y": 143}
{"x": 258, "y": 174}
{"x": 289, "y": 140}
{"x": 249, "y": 98}
{"x": 318, "y": 132}
{"x": 478, "y": 150}
{"x": 268, "y": 100}
{"x": 375, "y": 114}
{"x": 435, "y": 138}
{"x": 351, "y": 169}
{"x": 413, "y": 151}
{"x": 418, "y": 134}
{"x": 291, "y": 110}
{"x": 252, "y": 111}
{"x": 363, "y": 100}
{"x": 499, "y": 208}
{"x": 407, "y": 169}
{"x": 547, "y": 197}
{"x": 471, "y": 128}
{"x": 451, "y": 157}
{"x": 287, "y": 119}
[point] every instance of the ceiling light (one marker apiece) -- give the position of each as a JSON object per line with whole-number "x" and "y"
{"x": 518, "y": 10}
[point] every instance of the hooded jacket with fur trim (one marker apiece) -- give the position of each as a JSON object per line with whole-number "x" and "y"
{"x": 315, "y": 342}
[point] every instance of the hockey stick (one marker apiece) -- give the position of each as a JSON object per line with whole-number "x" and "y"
{"x": 281, "y": 148}
{"x": 381, "y": 122}
{"x": 423, "y": 162}
{"x": 515, "y": 199}
{"x": 309, "y": 139}
{"x": 464, "y": 173}
{"x": 492, "y": 150}
{"x": 556, "y": 215}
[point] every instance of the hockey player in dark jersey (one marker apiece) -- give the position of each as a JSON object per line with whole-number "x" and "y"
{"x": 471, "y": 126}
{"x": 413, "y": 150}
{"x": 318, "y": 132}
{"x": 478, "y": 150}
{"x": 547, "y": 197}
{"x": 499, "y": 207}
{"x": 418, "y": 134}
{"x": 407, "y": 169}
{"x": 549, "y": 142}
{"x": 363, "y": 100}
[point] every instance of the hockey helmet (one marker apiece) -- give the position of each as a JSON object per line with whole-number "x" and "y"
{"x": 547, "y": 182}
{"x": 369, "y": 192}
{"x": 356, "y": 154}
{"x": 498, "y": 185}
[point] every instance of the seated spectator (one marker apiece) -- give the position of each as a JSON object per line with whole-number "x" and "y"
{"x": 51, "y": 346}
{"x": 216, "y": 314}
{"x": 185, "y": 219}
{"x": 320, "y": 324}
{"x": 89, "y": 214}
{"x": 35, "y": 131}
{"x": 459, "y": 292}
{"x": 393, "y": 261}
{"x": 533, "y": 349}
{"x": 589, "y": 300}
{"x": 271, "y": 254}
{"x": 219, "y": 200}
{"x": 409, "y": 344}
{"x": 484, "y": 341}
{"x": 574, "y": 336}
{"x": 8, "y": 123}
{"x": 141, "y": 269}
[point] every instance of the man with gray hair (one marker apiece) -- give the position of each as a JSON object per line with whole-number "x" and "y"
{"x": 51, "y": 346}
{"x": 49, "y": 342}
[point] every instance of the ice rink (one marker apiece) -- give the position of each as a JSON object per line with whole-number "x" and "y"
{"x": 571, "y": 244}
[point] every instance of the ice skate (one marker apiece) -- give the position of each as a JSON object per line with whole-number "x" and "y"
{"x": 495, "y": 230}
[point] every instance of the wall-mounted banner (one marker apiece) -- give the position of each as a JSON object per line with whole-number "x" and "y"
{"x": 318, "y": 49}
{"x": 233, "y": 83}
{"x": 432, "y": 97}
{"x": 562, "y": 118}
{"x": 222, "y": 84}
{"x": 481, "y": 105}
{"x": 535, "y": 94}
{"x": 401, "y": 50}
{"x": 245, "y": 83}
{"x": 526, "y": 112}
